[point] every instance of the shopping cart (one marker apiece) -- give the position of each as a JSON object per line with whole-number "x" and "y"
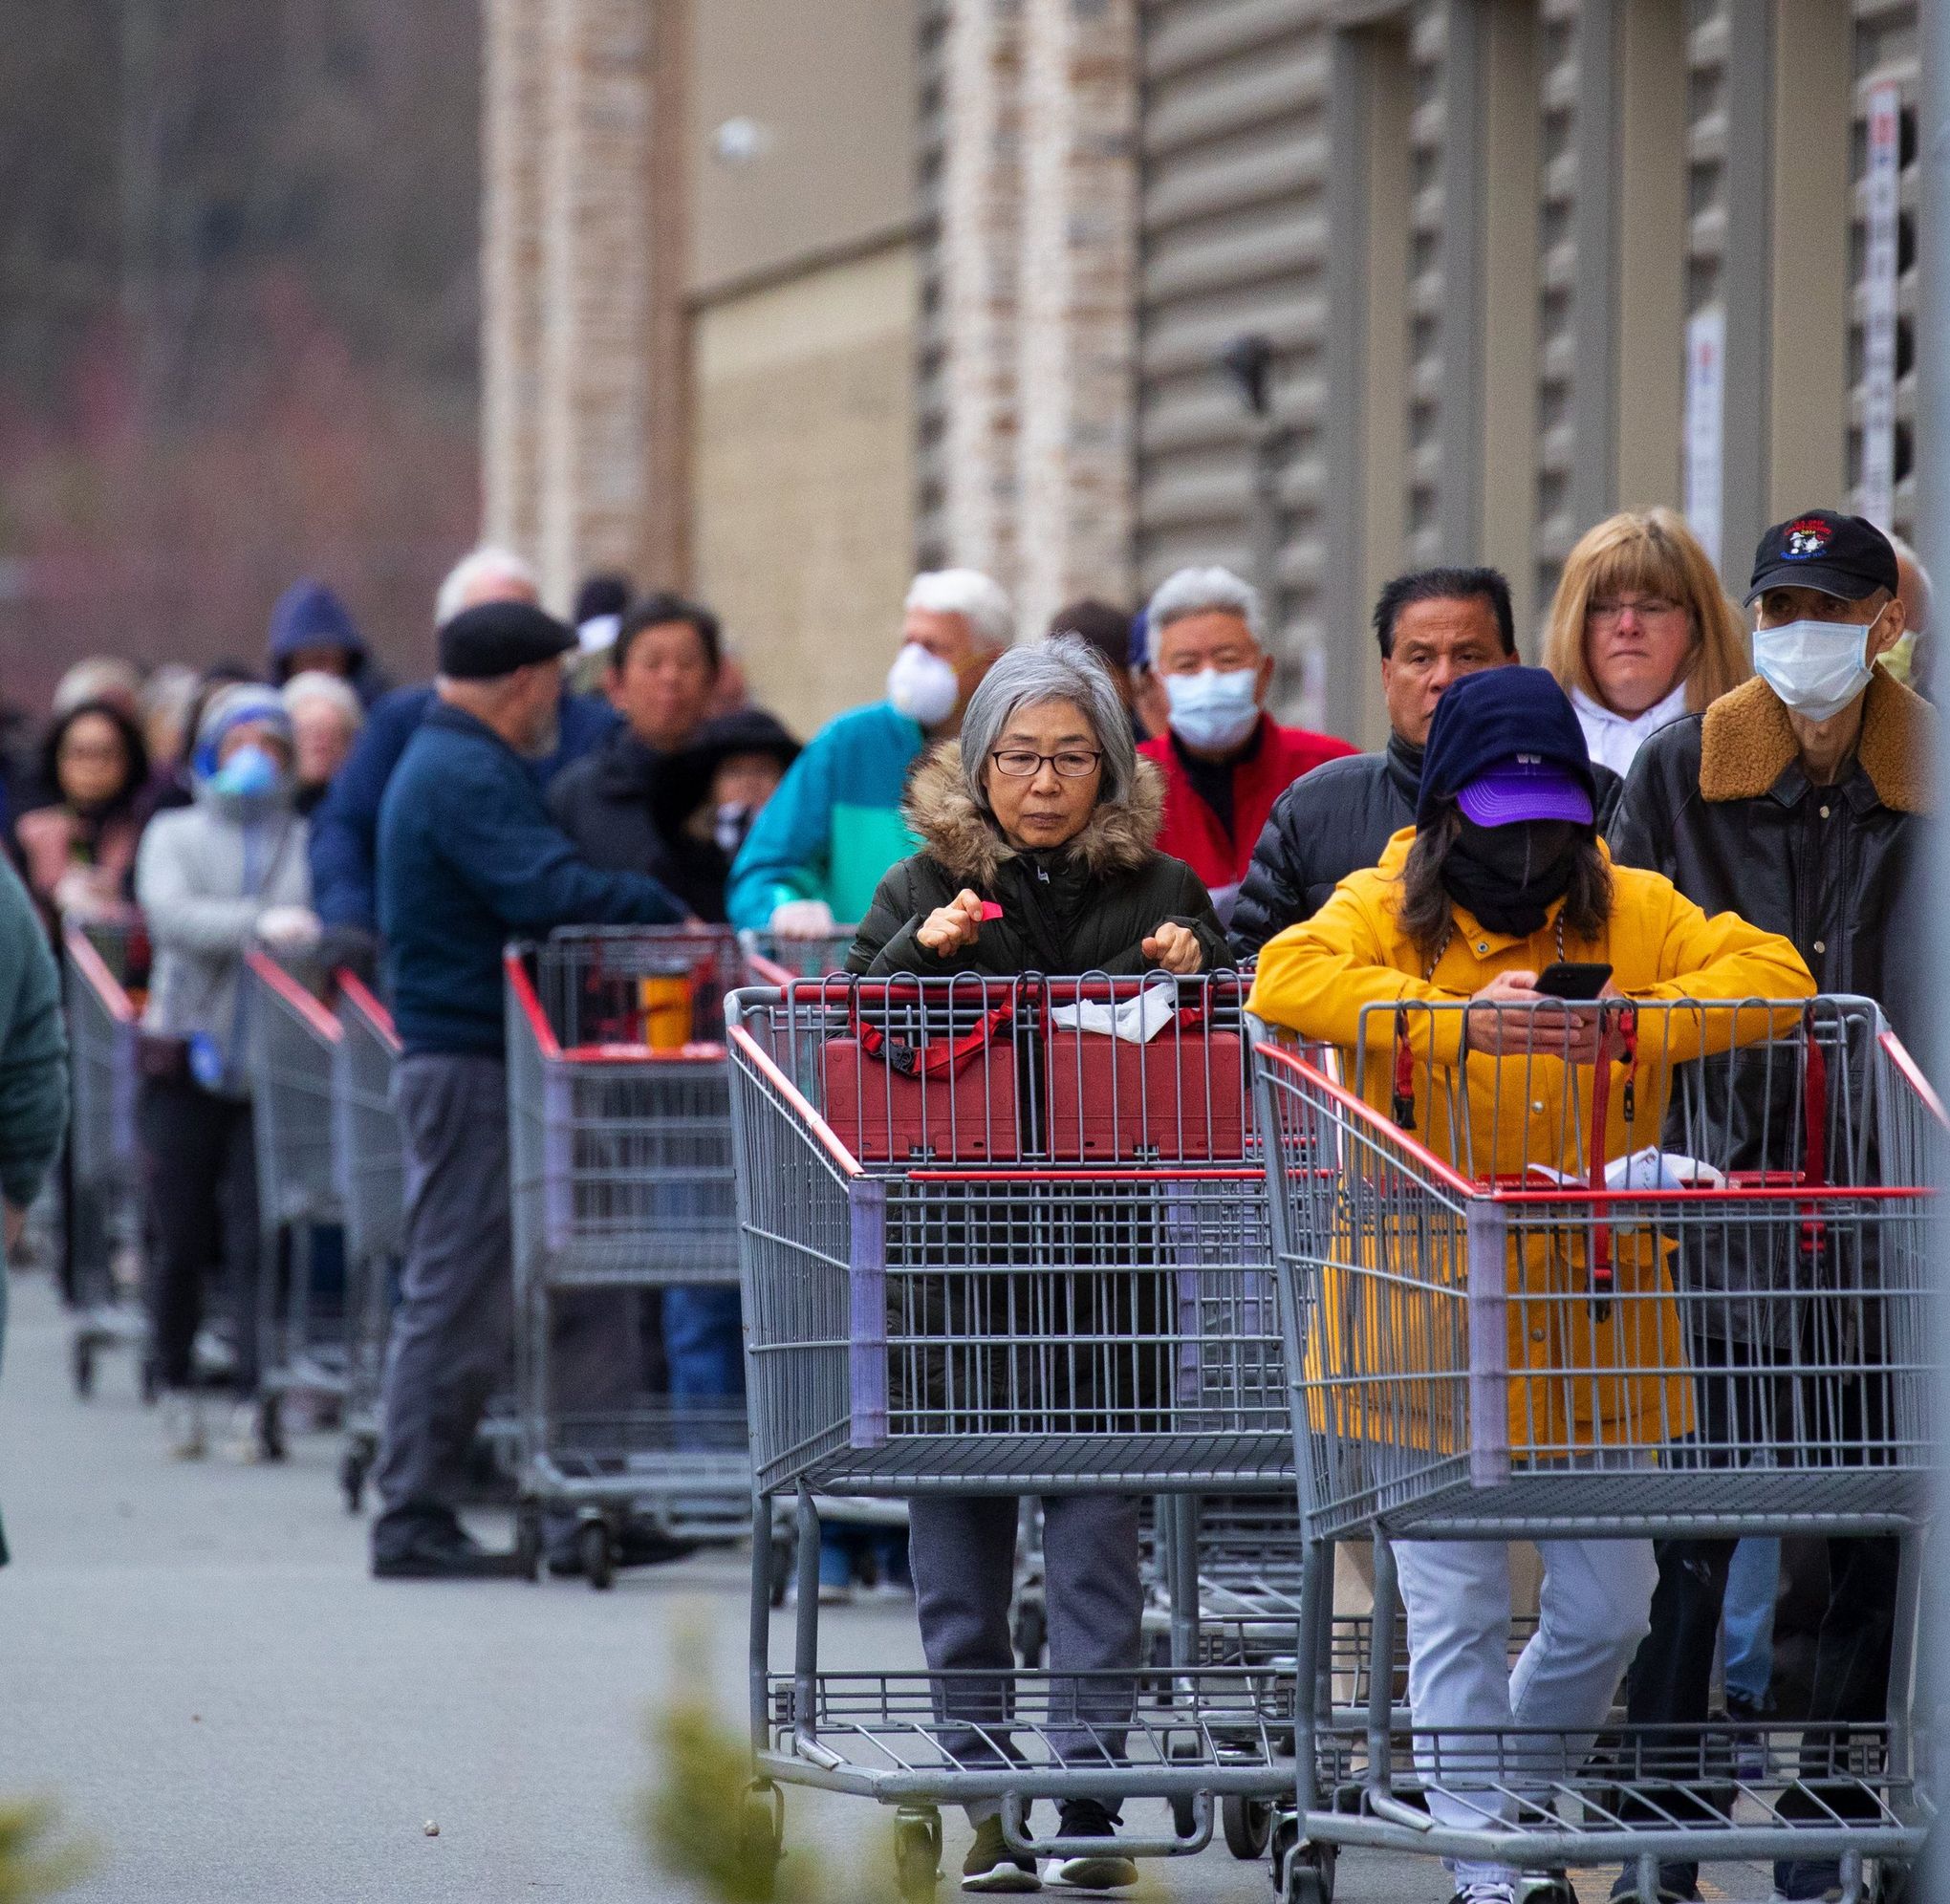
{"x": 292, "y": 1041}
{"x": 100, "y": 963}
{"x": 988, "y": 1249}
{"x": 775, "y": 959}
{"x": 369, "y": 1168}
{"x": 1499, "y": 1283}
{"x": 621, "y": 1151}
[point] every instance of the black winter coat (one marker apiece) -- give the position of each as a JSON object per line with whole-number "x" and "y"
{"x": 1718, "y": 804}
{"x": 1334, "y": 821}
{"x": 603, "y": 803}
{"x": 1084, "y": 1346}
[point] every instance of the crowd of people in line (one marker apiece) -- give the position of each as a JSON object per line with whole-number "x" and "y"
{"x": 1714, "y": 810}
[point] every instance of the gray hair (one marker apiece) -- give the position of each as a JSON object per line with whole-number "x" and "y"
{"x": 486, "y": 564}
{"x": 1211, "y": 591}
{"x": 981, "y": 602}
{"x": 315, "y": 685}
{"x": 1059, "y": 667}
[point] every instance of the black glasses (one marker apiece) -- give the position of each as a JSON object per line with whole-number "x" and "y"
{"x": 1021, "y": 763}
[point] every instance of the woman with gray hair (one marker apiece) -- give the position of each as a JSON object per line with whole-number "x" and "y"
{"x": 1037, "y": 853}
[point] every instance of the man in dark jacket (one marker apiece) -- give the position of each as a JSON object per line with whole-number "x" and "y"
{"x": 312, "y": 631}
{"x": 663, "y": 667}
{"x": 1798, "y": 801}
{"x": 345, "y": 826}
{"x": 468, "y": 860}
{"x": 1435, "y": 626}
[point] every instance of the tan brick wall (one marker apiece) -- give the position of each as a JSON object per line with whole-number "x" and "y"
{"x": 513, "y": 113}
{"x": 802, "y": 478}
{"x": 1076, "y": 310}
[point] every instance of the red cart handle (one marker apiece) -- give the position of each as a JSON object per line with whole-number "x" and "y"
{"x": 937, "y": 1056}
{"x": 1404, "y": 1073}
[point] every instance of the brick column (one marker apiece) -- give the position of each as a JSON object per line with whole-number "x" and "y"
{"x": 513, "y": 119}
{"x": 604, "y": 265}
{"x": 979, "y": 235}
{"x": 1077, "y": 306}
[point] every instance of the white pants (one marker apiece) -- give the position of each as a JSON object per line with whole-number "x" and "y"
{"x": 1592, "y": 1612}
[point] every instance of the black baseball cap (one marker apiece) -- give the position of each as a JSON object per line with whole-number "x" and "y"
{"x": 499, "y": 637}
{"x": 1844, "y": 555}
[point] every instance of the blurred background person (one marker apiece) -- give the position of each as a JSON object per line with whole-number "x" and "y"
{"x": 171, "y": 782}
{"x": 1909, "y": 660}
{"x": 1225, "y": 760}
{"x": 98, "y": 678}
{"x": 821, "y": 848}
{"x": 78, "y": 849}
{"x": 662, "y": 668}
{"x": 345, "y": 824}
{"x": 164, "y": 710}
{"x": 312, "y": 632}
{"x": 1108, "y": 631}
{"x": 1640, "y": 632}
{"x": 601, "y": 602}
{"x": 326, "y": 719}
{"x": 213, "y": 879}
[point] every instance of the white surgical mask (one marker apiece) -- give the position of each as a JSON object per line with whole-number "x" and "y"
{"x": 1213, "y": 710}
{"x": 1816, "y": 667}
{"x": 923, "y": 687}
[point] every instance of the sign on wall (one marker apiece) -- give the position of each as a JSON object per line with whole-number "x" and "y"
{"x": 1882, "y": 183}
{"x": 1705, "y": 425}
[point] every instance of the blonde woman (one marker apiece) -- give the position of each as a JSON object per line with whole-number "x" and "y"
{"x": 1640, "y": 632}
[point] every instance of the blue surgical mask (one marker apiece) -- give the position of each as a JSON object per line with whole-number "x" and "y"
{"x": 251, "y": 774}
{"x": 1213, "y": 710}
{"x": 1816, "y": 667}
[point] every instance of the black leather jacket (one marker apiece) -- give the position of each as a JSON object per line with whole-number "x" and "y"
{"x": 1333, "y": 822}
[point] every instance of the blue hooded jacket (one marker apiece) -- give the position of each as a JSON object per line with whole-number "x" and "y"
{"x": 308, "y": 615}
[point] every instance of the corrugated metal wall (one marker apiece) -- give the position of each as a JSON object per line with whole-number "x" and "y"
{"x": 1557, "y": 526}
{"x": 930, "y": 528}
{"x": 1424, "y": 421}
{"x": 1232, "y": 239}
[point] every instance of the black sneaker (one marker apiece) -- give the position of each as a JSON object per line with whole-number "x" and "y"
{"x": 1544, "y": 1887}
{"x": 991, "y": 1865}
{"x": 1106, "y": 1870}
{"x": 639, "y": 1547}
{"x": 437, "y": 1551}
{"x": 1678, "y": 1884}
{"x": 1808, "y": 1881}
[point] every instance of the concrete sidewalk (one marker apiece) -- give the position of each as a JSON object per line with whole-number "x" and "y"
{"x": 199, "y": 1668}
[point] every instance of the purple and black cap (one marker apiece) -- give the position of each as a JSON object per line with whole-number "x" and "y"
{"x": 1505, "y": 745}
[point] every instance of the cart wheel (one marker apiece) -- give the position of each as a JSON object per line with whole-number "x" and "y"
{"x": 270, "y": 1441}
{"x": 598, "y": 1557}
{"x": 151, "y": 1382}
{"x": 352, "y": 1474}
{"x": 762, "y": 1834}
{"x": 1031, "y": 1633}
{"x": 784, "y": 1552}
{"x": 84, "y": 1367}
{"x": 1184, "y": 1815}
{"x": 918, "y": 1854}
{"x": 528, "y": 1540}
{"x": 1301, "y": 1873}
{"x": 1249, "y": 1826}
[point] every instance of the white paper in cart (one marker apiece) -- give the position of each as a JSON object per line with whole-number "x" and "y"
{"x": 1647, "y": 1169}
{"x": 1137, "y": 1020}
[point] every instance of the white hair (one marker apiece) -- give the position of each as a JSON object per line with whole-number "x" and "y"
{"x": 315, "y": 685}
{"x": 983, "y": 603}
{"x": 1926, "y": 590}
{"x": 486, "y": 564}
{"x": 1212, "y": 590}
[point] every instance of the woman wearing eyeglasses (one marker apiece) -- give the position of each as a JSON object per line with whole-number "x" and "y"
{"x": 1037, "y": 855}
{"x": 1640, "y": 632}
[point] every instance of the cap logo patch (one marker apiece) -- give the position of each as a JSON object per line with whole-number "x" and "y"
{"x": 1805, "y": 539}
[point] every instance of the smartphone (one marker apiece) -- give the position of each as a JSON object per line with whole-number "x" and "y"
{"x": 1568, "y": 981}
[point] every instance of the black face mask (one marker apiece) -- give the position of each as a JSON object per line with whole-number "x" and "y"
{"x": 1509, "y": 877}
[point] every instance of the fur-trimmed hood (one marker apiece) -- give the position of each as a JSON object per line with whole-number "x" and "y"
{"x": 965, "y": 840}
{"x": 1745, "y": 744}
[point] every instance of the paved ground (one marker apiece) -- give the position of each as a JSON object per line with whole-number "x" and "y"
{"x": 197, "y": 1667}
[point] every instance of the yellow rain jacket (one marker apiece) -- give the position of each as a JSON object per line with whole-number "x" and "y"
{"x": 1490, "y": 1117}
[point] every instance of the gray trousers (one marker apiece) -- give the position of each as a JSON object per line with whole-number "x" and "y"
{"x": 961, "y": 1548}
{"x": 449, "y": 1347}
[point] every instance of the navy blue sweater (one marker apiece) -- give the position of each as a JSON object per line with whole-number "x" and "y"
{"x": 468, "y": 859}
{"x": 346, "y": 825}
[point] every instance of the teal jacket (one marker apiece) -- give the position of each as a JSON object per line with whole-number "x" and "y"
{"x": 834, "y": 828}
{"x": 33, "y": 1063}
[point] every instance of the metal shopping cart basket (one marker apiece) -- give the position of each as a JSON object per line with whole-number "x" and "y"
{"x": 99, "y": 965}
{"x": 775, "y": 959}
{"x": 292, "y": 1041}
{"x": 1502, "y": 1284}
{"x": 369, "y": 1167}
{"x": 621, "y": 1178}
{"x": 990, "y": 1250}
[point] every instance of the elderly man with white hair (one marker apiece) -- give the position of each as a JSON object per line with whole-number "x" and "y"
{"x": 822, "y": 844}
{"x": 1225, "y": 759}
{"x": 345, "y": 826}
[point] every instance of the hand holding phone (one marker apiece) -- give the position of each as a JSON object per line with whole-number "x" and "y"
{"x": 1569, "y": 981}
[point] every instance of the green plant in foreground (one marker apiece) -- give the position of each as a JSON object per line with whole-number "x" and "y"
{"x": 29, "y": 1866}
